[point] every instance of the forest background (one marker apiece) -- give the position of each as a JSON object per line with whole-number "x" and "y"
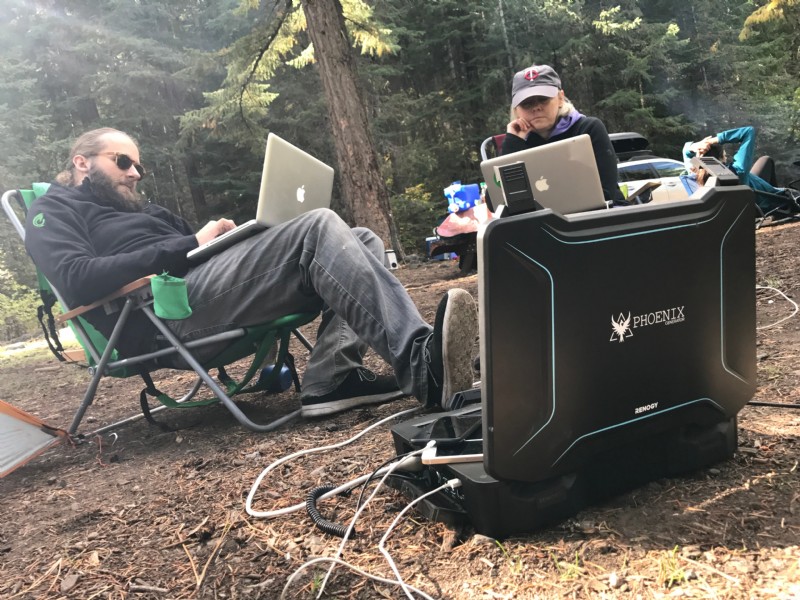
{"x": 200, "y": 83}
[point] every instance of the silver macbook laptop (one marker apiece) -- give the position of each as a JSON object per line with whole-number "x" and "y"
{"x": 292, "y": 183}
{"x": 563, "y": 175}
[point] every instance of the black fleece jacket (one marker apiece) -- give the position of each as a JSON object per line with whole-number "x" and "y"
{"x": 601, "y": 144}
{"x": 88, "y": 249}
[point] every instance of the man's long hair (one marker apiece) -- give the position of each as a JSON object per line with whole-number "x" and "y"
{"x": 88, "y": 144}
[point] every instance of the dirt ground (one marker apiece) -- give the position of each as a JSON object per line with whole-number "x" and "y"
{"x": 143, "y": 513}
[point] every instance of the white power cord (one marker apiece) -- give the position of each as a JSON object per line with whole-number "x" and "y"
{"x": 389, "y": 470}
{"x": 404, "y": 462}
{"x": 290, "y": 509}
{"x": 336, "y": 561}
{"x": 452, "y": 484}
{"x": 785, "y": 297}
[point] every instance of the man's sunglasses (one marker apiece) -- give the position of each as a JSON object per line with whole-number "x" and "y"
{"x": 124, "y": 162}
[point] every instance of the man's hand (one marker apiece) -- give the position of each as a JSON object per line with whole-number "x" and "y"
{"x": 519, "y": 127}
{"x": 212, "y": 229}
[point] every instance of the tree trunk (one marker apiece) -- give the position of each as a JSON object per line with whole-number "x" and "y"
{"x": 198, "y": 194}
{"x": 506, "y": 42}
{"x": 364, "y": 191}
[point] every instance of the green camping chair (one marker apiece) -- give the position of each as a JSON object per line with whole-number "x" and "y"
{"x": 104, "y": 360}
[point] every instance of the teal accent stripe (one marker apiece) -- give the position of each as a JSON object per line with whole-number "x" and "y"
{"x": 520, "y": 253}
{"x": 633, "y": 234}
{"x": 552, "y": 301}
{"x": 624, "y": 423}
{"x": 721, "y": 305}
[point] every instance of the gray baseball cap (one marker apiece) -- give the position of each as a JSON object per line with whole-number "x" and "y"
{"x": 537, "y": 80}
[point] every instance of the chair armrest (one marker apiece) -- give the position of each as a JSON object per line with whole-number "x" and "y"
{"x": 121, "y": 292}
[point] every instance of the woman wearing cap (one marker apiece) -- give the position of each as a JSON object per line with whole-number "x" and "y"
{"x": 540, "y": 114}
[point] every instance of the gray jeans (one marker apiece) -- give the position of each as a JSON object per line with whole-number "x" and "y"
{"x": 314, "y": 262}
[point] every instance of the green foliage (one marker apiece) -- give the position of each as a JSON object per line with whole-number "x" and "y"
{"x": 515, "y": 563}
{"x": 771, "y": 35}
{"x": 239, "y": 109}
{"x": 568, "y": 570}
{"x": 18, "y": 307}
{"x": 417, "y": 211}
{"x": 200, "y": 82}
{"x": 671, "y": 572}
{"x": 14, "y": 261}
{"x": 18, "y": 287}
{"x": 775, "y": 12}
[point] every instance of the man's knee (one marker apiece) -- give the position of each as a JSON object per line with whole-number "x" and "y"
{"x": 324, "y": 215}
{"x": 327, "y": 220}
{"x": 323, "y": 220}
{"x": 370, "y": 240}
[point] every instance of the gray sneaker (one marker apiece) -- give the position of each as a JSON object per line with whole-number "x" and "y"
{"x": 449, "y": 351}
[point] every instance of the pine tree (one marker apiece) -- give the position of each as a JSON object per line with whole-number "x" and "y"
{"x": 239, "y": 108}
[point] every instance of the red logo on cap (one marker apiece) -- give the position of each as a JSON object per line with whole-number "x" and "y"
{"x": 531, "y": 74}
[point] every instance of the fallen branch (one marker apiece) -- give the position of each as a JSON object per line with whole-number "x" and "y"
{"x": 188, "y": 535}
{"x": 194, "y": 568}
{"x": 713, "y": 570}
{"x": 147, "y": 588}
{"x": 214, "y": 553}
{"x": 55, "y": 565}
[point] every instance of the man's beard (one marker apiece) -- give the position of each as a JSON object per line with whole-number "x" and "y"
{"x": 105, "y": 189}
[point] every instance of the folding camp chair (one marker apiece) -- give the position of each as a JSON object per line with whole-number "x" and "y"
{"x": 787, "y": 208}
{"x": 104, "y": 360}
{"x": 491, "y": 146}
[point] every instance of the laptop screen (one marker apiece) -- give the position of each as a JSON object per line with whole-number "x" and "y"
{"x": 292, "y": 183}
{"x": 562, "y": 175}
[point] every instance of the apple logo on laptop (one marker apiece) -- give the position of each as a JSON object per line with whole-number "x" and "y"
{"x": 301, "y": 193}
{"x": 541, "y": 184}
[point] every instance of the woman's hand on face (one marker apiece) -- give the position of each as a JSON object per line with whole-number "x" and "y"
{"x": 519, "y": 127}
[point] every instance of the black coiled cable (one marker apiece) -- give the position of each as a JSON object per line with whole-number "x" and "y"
{"x": 320, "y": 521}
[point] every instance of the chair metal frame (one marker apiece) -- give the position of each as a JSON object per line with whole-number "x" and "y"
{"x": 496, "y": 142}
{"x": 787, "y": 203}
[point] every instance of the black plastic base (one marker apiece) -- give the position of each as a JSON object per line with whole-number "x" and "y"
{"x": 504, "y": 508}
